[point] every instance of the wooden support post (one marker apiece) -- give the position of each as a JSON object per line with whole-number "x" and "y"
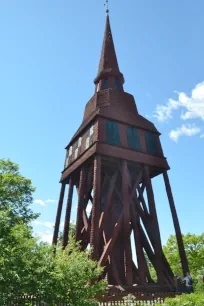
{"x": 166, "y": 268}
{"x": 65, "y": 238}
{"x": 58, "y": 216}
{"x": 142, "y": 200}
{"x": 79, "y": 222}
{"x": 139, "y": 250}
{"x": 94, "y": 236}
{"x": 108, "y": 201}
{"x": 116, "y": 273}
{"x": 154, "y": 225}
{"x": 182, "y": 252}
{"x": 126, "y": 210}
{"x": 108, "y": 247}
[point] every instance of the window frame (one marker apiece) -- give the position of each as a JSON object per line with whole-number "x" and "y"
{"x": 112, "y": 132}
{"x": 133, "y": 138}
{"x": 76, "y": 152}
{"x": 105, "y": 84}
{"x": 151, "y": 143}
{"x": 70, "y": 151}
{"x": 87, "y": 145}
{"x": 117, "y": 84}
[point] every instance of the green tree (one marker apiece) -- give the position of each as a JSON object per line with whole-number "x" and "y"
{"x": 194, "y": 247}
{"x": 72, "y": 231}
{"x": 76, "y": 276}
{"x": 25, "y": 263}
{"x": 16, "y": 192}
{"x": 29, "y": 267}
{"x": 196, "y": 299}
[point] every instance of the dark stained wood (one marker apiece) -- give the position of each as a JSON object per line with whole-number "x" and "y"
{"x": 65, "y": 237}
{"x": 117, "y": 175}
{"x": 142, "y": 200}
{"x": 165, "y": 265}
{"x": 85, "y": 220}
{"x": 126, "y": 210}
{"x": 115, "y": 273}
{"x": 138, "y": 245}
{"x": 154, "y": 224}
{"x": 111, "y": 242}
{"x": 89, "y": 185}
{"x": 79, "y": 221}
{"x": 78, "y": 163}
{"x": 94, "y": 235}
{"x": 140, "y": 210}
{"x": 182, "y": 253}
{"x": 108, "y": 200}
{"x": 58, "y": 216}
{"x": 137, "y": 157}
{"x": 136, "y": 185}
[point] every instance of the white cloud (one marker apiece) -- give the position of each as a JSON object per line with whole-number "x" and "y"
{"x": 183, "y": 130}
{"x": 202, "y": 136}
{"x": 46, "y": 224}
{"x": 45, "y": 236}
{"x": 62, "y": 225}
{"x": 191, "y": 107}
{"x": 51, "y": 201}
{"x": 164, "y": 112}
{"x": 88, "y": 209}
{"x": 49, "y": 224}
{"x": 37, "y": 222}
{"x": 42, "y": 203}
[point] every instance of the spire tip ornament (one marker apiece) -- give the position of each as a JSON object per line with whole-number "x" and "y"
{"x": 107, "y": 8}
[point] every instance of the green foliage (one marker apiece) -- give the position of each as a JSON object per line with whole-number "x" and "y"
{"x": 151, "y": 268}
{"x": 194, "y": 246}
{"x": 15, "y": 192}
{"x": 198, "y": 281}
{"x": 29, "y": 267}
{"x": 25, "y": 264}
{"x": 186, "y": 300}
{"x": 75, "y": 274}
{"x": 72, "y": 231}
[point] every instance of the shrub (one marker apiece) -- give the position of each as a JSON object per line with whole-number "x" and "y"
{"x": 195, "y": 299}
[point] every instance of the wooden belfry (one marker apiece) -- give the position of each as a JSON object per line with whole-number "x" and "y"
{"x": 111, "y": 161}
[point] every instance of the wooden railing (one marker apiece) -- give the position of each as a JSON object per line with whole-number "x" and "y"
{"x": 142, "y": 299}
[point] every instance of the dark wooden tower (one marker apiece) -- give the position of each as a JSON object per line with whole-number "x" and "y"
{"x": 111, "y": 160}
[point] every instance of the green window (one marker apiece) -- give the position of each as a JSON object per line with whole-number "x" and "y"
{"x": 112, "y": 133}
{"x": 105, "y": 84}
{"x": 117, "y": 84}
{"x": 133, "y": 138}
{"x": 151, "y": 143}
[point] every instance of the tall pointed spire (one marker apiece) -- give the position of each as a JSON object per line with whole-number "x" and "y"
{"x": 108, "y": 65}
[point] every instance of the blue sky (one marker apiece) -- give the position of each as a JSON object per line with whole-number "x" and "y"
{"x": 49, "y": 57}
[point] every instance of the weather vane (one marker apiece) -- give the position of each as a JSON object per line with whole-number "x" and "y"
{"x": 106, "y": 5}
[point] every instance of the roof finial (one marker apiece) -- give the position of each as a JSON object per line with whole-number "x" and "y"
{"x": 106, "y": 5}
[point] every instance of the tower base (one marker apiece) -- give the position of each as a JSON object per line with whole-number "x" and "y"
{"x": 153, "y": 293}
